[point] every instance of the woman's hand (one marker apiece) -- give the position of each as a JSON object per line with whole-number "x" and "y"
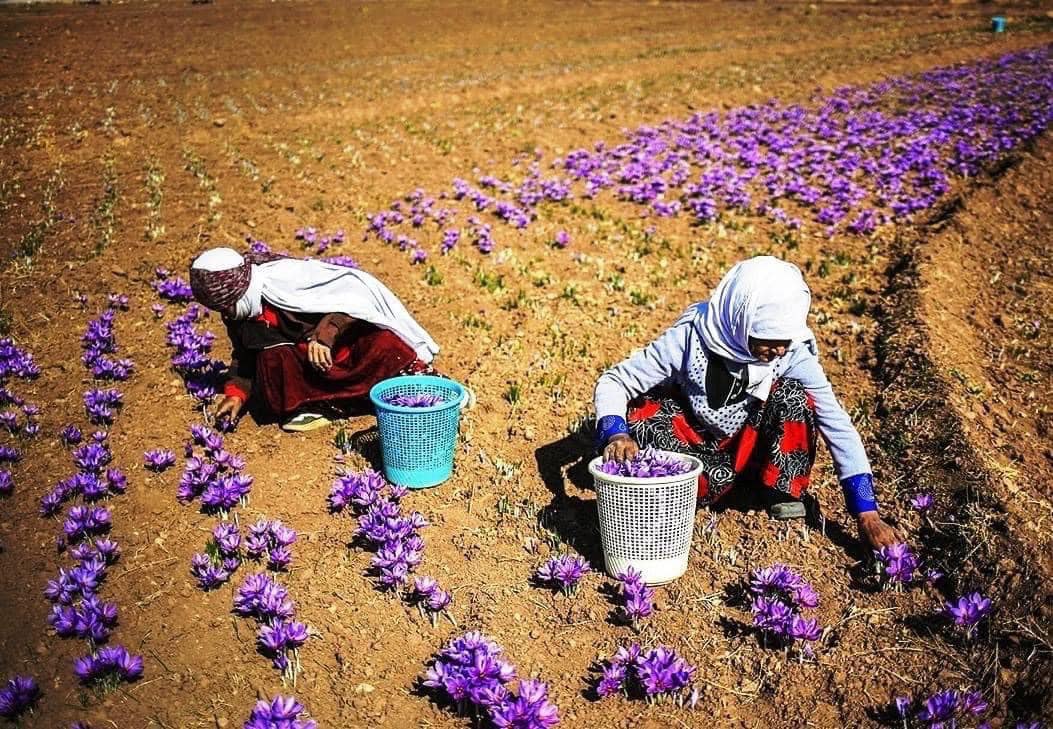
{"x": 621, "y": 448}
{"x": 230, "y": 407}
{"x": 874, "y": 531}
{"x": 319, "y": 355}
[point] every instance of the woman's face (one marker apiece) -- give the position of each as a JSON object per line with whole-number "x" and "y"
{"x": 768, "y": 349}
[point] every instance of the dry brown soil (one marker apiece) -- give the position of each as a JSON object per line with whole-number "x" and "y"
{"x": 134, "y": 135}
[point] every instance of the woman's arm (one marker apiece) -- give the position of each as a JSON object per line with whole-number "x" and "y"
{"x": 330, "y": 328}
{"x": 641, "y": 371}
{"x": 846, "y": 449}
{"x": 323, "y": 337}
{"x": 237, "y": 387}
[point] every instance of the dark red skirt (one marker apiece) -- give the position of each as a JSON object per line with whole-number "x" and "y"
{"x": 775, "y": 448}
{"x": 287, "y": 382}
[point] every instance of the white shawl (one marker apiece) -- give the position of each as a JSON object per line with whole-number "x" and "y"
{"x": 762, "y": 297}
{"x": 316, "y": 287}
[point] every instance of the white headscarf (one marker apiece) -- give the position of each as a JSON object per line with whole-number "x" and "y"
{"x": 764, "y": 298}
{"x": 316, "y": 287}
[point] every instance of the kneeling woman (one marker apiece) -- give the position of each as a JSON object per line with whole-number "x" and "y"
{"x": 736, "y": 382}
{"x": 309, "y": 338}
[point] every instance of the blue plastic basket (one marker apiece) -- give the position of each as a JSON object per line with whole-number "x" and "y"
{"x": 417, "y": 444}
{"x": 998, "y": 24}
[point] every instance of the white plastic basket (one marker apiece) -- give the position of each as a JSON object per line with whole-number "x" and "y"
{"x": 647, "y": 523}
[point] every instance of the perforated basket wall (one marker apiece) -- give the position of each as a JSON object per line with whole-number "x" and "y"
{"x": 418, "y": 444}
{"x": 647, "y": 523}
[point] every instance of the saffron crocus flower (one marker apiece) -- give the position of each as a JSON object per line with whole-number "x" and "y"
{"x": 898, "y": 563}
{"x": 656, "y": 673}
{"x": 92, "y": 457}
{"x": 941, "y": 706}
{"x": 470, "y": 669}
{"x": 563, "y": 572}
{"x": 969, "y": 610}
{"x": 107, "y": 662}
{"x": 70, "y": 435}
{"x": 562, "y": 239}
{"x": 208, "y": 574}
{"x": 648, "y": 463}
{"x": 417, "y": 400}
{"x": 922, "y": 502}
{"x": 18, "y": 696}
{"x": 612, "y": 680}
{"x": 159, "y": 460}
{"x": 359, "y": 490}
{"x": 7, "y": 483}
{"x": 780, "y": 594}
{"x": 281, "y": 712}
{"x": 530, "y": 710}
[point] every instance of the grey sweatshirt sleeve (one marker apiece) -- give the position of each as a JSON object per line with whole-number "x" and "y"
{"x": 841, "y": 437}
{"x": 645, "y": 368}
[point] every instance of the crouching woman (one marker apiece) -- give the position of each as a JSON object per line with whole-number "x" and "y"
{"x": 737, "y": 383}
{"x": 309, "y": 339}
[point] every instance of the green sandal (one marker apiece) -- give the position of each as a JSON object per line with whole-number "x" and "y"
{"x": 786, "y": 509}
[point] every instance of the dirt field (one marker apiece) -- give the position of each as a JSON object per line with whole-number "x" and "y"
{"x": 133, "y": 136}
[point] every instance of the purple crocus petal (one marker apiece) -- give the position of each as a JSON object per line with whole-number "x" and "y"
{"x": 973, "y": 702}
{"x": 648, "y": 463}
{"x": 612, "y": 680}
{"x": 941, "y": 706}
{"x": 922, "y": 502}
{"x": 159, "y": 460}
{"x": 418, "y": 400}
{"x": 438, "y": 601}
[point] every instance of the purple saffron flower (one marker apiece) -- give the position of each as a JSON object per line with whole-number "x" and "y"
{"x": 564, "y": 572}
{"x": 922, "y": 502}
{"x": 18, "y": 696}
{"x": 662, "y": 671}
{"x": 969, "y": 610}
{"x": 805, "y": 629}
{"x": 158, "y": 460}
{"x": 648, "y": 463}
{"x": 612, "y": 680}
{"x": 417, "y": 400}
{"x": 973, "y": 703}
{"x": 227, "y": 539}
{"x": 282, "y": 712}
{"x": 7, "y": 483}
{"x": 71, "y": 435}
{"x": 941, "y": 706}
{"x": 530, "y": 710}
{"x": 898, "y": 563}
{"x": 562, "y": 239}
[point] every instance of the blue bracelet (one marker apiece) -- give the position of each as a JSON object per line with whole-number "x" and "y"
{"x": 608, "y": 427}
{"x": 859, "y": 493}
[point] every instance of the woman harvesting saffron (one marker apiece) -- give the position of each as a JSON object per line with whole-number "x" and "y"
{"x": 737, "y": 383}
{"x": 309, "y": 338}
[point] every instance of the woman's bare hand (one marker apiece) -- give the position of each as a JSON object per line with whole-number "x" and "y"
{"x": 319, "y": 355}
{"x": 230, "y": 407}
{"x": 620, "y": 448}
{"x": 874, "y": 531}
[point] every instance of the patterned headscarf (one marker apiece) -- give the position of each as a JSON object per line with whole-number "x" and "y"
{"x": 219, "y": 277}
